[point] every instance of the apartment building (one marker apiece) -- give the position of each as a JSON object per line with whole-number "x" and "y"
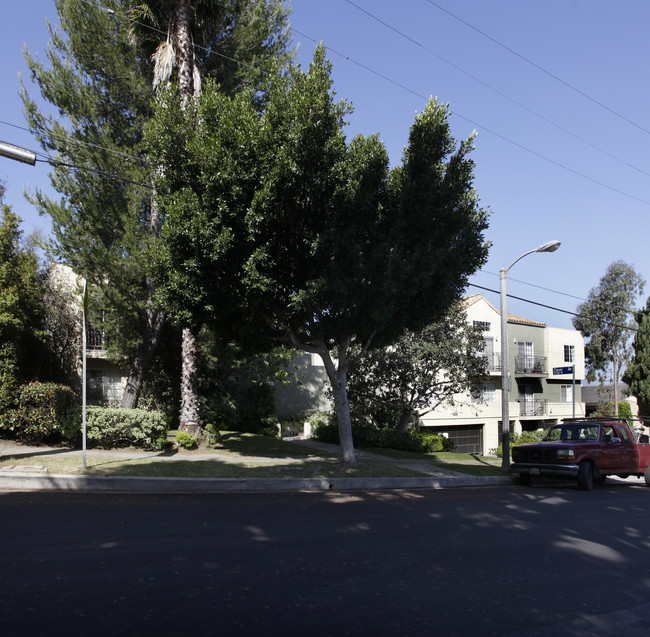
{"x": 540, "y": 393}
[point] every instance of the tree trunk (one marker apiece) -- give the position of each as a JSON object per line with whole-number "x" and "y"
{"x": 142, "y": 361}
{"x": 151, "y": 332}
{"x": 615, "y": 363}
{"x": 406, "y": 418}
{"x": 189, "y": 414}
{"x": 338, "y": 380}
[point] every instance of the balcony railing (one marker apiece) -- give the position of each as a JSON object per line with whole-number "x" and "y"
{"x": 531, "y": 365}
{"x": 94, "y": 338}
{"x": 537, "y": 407}
{"x": 493, "y": 361}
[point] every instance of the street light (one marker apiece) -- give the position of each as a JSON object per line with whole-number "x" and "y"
{"x": 550, "y": 246}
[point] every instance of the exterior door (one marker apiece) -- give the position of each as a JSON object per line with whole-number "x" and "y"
{"x": 527, "y": 400}
{"x": 525, "y": 356}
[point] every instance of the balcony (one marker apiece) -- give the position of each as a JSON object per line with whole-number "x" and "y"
{"x": 534, "y": 365}
{"x": 535, "y": 408}
{"x": 493, "y": 361}
{"x": 94, "y": 338}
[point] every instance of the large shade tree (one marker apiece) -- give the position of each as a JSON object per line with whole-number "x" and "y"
{"x": 274, "y": 216}
{"x": 99, "y": 79}
{"x": 605, "y": 318}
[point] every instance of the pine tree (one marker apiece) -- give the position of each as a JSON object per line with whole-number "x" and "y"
{"x": 100, "y": 77}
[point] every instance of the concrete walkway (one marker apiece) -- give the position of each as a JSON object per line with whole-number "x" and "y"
{"x": 29, "y": 474}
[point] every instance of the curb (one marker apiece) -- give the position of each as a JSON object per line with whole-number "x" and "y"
{"x": 117, "y": 484}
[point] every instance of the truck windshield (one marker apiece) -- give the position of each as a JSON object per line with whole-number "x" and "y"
{"x": 575, "y": 432}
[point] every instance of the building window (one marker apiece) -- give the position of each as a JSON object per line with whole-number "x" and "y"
{"x": 569, "y": 353}
{"x": 485, "y": 393}
{"x": 484, "y": 325}
{"x": 567, "y": 393}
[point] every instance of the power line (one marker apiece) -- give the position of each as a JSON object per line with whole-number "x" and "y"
{"x": 54, "y": 162}
{"x": 551, "y": 307}
{"x": 403, "y": 87}
{"x": 72, "y": 140}
{"x": 540, "y": 68}
{"x": 497, "y": 91}
{"x": 478, "y": 125}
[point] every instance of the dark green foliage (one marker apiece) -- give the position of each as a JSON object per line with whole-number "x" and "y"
{"x": 397, "y": 385}
{"x": 415, "y": 441}
{"x": 637, "y": 375}
{"x": 273, "y": 220}
{"x": 23, "y": 340}
{"x": 45, "y": 413}
{"x": 110, "y": 428}
{"x": 523, "y": 438}
{"x": 97, "y": 82}
{"x": 236, "y": 408}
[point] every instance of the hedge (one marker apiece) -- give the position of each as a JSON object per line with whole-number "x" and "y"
{"x": 109, "y": 427}
{"x": 414, "y": 440}
{"x": 46, "y": 412}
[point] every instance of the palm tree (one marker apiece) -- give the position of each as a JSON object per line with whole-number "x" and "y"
{"x": 239, "y": 41}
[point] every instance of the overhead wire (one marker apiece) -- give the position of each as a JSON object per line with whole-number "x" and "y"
{"x": 497, "y": 91}
{"x": 540, "y": 68}
{"x": 405, "y": 88}
{"x": 67, "y": 138}
{"x": 552, "y": 307}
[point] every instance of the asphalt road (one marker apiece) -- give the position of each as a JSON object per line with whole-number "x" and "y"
{"x": 535, "y": 561}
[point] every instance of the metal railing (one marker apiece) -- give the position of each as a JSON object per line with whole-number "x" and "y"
{"x": 536, "y": 407}
{"x": 95, "y": 338}
{"x": 531, "y": 365}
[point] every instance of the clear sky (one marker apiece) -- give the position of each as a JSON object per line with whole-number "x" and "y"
{"x": 557, "y": 91}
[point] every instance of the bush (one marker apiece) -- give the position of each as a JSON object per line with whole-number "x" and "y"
{"x": 185, "y": 440}
{"x": 244, "y": 409}
{"x": 523, "y": 438}
{"x": 46, "y": 412}
{"x": 107, "y": 427}
{"x": 413, "y": 440}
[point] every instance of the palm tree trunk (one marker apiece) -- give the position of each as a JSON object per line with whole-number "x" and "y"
{"x": 190, "y": 419}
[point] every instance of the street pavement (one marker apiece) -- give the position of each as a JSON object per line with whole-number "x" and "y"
{"x": 31, "y": 474}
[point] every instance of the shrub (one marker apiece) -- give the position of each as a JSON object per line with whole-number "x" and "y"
{"x": 522, "y": 439}
{"x": 46, "y": 412}
{"x": 108, "y": 427}
{"x": 185, "y": 440}
{"x": 413, "y": 440}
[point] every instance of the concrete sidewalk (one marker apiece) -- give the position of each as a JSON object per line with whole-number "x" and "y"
{"x": 32, "y": 475}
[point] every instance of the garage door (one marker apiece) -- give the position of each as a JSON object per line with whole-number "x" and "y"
{"x": 467, "y": 439}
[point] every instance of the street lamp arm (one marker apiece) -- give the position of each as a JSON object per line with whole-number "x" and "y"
{"x": 549, "y": 246}
{"x": 16, "y": 152}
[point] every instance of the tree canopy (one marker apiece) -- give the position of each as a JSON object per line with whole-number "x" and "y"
{"x": 637, "y": 375}
{"x": 273, "y": 216}
{"x": 605, "y": 319}
{"x": 98, "y": 77}
{"x": 421, "y": 371}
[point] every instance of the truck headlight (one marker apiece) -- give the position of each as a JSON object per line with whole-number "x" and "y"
{"x": 566, "y": 454}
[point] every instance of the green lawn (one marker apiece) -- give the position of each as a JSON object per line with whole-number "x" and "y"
{"x": 237, "y": 455}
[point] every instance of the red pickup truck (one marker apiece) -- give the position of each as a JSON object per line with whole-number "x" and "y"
{"x": 587, "y": 451}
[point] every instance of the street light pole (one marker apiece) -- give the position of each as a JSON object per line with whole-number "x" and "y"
{"x": 550, "y": 246}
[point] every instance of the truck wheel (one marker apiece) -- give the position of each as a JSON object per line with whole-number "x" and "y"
{"x": 524, "y": 479}
{"x": 585, "y": 476}
{"x": 646, "y": 475}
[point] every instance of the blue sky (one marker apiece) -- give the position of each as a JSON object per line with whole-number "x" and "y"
{"x": 556, "y": 90}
